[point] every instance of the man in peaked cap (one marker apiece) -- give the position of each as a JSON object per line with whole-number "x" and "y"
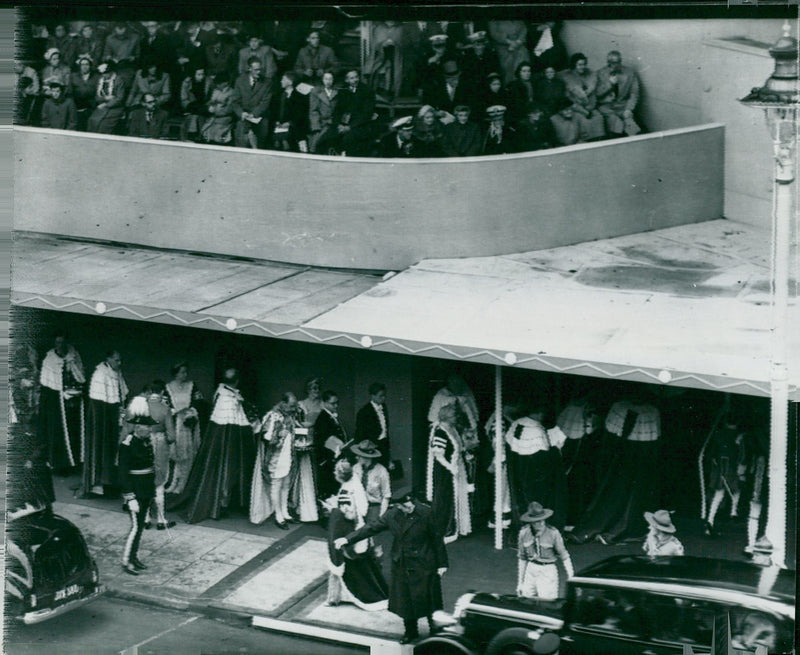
{"x": 137, "y": 478}
{"x": 500, "y": 138}
{"x": 400, "y": 142}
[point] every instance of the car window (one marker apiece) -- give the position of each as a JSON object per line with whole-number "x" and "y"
{"x": 751, "y": 628}
{"x": 680, "y": 620}
{"x": 617, "y": 611}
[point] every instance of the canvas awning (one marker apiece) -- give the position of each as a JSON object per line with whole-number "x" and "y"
{"x": 686, "y": 306}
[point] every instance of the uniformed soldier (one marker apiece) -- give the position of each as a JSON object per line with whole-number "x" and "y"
{"x": 137, "y": 478}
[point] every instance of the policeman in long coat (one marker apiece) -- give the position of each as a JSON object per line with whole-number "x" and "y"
{"x": 419, "y": 559}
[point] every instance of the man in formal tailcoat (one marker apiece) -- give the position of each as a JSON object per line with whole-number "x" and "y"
{"x": 419, "y": 559}
{"x": 329, "y": 439}
{"x": 372, "y": 421}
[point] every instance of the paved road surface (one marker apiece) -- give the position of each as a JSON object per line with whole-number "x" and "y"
{"x": 111, "y": 626}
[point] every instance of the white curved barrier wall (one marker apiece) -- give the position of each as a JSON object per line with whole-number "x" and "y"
{"x": 361, "y": 213}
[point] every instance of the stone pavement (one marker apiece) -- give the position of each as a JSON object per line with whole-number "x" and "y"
{"x": 232, "y": 566}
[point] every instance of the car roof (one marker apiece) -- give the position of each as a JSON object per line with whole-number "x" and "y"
{"x": 697, "y": 572}
{"x": 32, "y": 530}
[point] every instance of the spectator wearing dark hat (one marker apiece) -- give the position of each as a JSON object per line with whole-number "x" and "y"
{"x": 462, "y": 137}
{"x": 354, "y": 116}
{"x": 500, "y": 138}
{"x": 569, "y": 127}
{"x": 539, "y": 547}
{"x": 419, "y": 560}
{"x": 195, "y": 95}
{"x": 520, "y": 92}
{"x": 314, "y": 59}
{"x": 429, "y": 66}
{"x": 58, "y": 111}
{"x": 290, "y": 116}
{"x": 490, "y": 94}
{"x": 109, "y": 100}
{"x": 122, "y": 45}
{"x": 251, "y": 102}
{"x": 401, "y": 142}
{"x": 618, "y": 96}
{"x": 581, "y": 86}
{"x": 88, "y": 43}
{"x": 478, "y": 59}
{"x": 152, "y": 79}
{"x": 83, "y": 84}
{"x": 536, "y": 131}
{"x": 449, "y": 89}
{"x": 221, "y": 55}
{"x": 148, "y": 121}
{"x": 322, "y": 104}
{"x": 257, "y": 48}
{"x": 55, "y": 70}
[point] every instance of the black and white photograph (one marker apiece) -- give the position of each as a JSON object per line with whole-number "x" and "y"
{"x": 427, "y": 328}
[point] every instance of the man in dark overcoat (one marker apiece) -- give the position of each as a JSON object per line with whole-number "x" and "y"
{"x": 419, "y": 559}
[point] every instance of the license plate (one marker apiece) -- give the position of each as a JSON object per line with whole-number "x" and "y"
{"x": 68, "y": 592}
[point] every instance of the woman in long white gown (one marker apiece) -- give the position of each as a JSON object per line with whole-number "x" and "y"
{"x": 303, "y": 491}
{"x": 182, "y": 393}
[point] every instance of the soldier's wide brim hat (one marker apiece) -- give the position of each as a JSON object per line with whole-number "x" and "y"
{"x": 660, "y": 520}
{"x": 366, "y": 449}
{"x": 536, "y": 513}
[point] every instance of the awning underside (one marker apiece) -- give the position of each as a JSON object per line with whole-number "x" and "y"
{"x": 691, "y": 300}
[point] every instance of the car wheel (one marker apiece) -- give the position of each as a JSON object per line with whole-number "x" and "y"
{"x": 438, "y": 648}
{"x": 513, "y": 641}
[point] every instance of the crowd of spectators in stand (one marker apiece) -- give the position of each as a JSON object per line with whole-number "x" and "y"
{"x": 501, "y": 87}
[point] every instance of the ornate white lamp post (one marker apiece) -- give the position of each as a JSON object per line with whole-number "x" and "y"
{"x": 780, "y": 100}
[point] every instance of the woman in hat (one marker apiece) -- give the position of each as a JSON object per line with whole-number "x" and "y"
{"x": 137, "y": 478}
{"x": 355, "y": 573}
{"x": 374, "y": 478}
{"x": 109, "y": 100}
{"x": 83, "y": 86}
{"x": 56, "y": 70}
{"x": 428, "y": 132}
{"x": 349, "y": 483}
{"x": 661, "y": 539}
{"x": 581, "y": 84}
{"x": 448, "y": 489}
{"x": 539, "y": 547}
{"x": 491, "y": 94}
{"x": 64, "y": 42}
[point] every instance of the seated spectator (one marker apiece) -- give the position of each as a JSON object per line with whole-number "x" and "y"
{"x": 218, "y": 129}
{"x": 27, "y": 89}
{"x": 449, "y": 89}
{"x": 55, "y": 71}
{"x": 148, "y": 121}
{"x": 83, "y": 85}
{"x": 150, "y": 79}
{"x": 400, "y": 142}
{"x": 500, "y": 138}
{"x": 569, "y": 126}
{"x": 122, "y": 47}
{"x": 64, "y": 42}
{"x": 492, "y": 94}
{"x": 519, "y": 92}
{"x": 88, "y": 43}
{"x": 251, "y": 101}
{"x": 195, "y": 95}
{"x": 290, "y": 116}
{"x": 428, "y": 133}
{"x": 322, "y": 104}
{"x": 536, "y": 131}
{"x": 256, "y": 48}
{"x": 581, "y": 84}
{"x": 154, "y": 47}
{"x": 549, "y": 90}
{"x": 462, "y": 137}
{"x": 354, "y": 116}
{"x": 314, "y": 59}
{"x": 478, "y": 60}
{"x": 58, "y": 111}
{"x": 109, "y": 100}
{"x": 222, "y": 56}
{"x": 617, "y": 96}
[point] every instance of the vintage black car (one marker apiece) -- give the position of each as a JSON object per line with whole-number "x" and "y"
{"x": 48, "y": 567}
{"x": 631, "y": 604}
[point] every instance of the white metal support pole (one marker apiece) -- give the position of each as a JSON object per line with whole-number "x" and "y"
{"x": 779, "y": 374}
{"x": 498, "y": 457}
